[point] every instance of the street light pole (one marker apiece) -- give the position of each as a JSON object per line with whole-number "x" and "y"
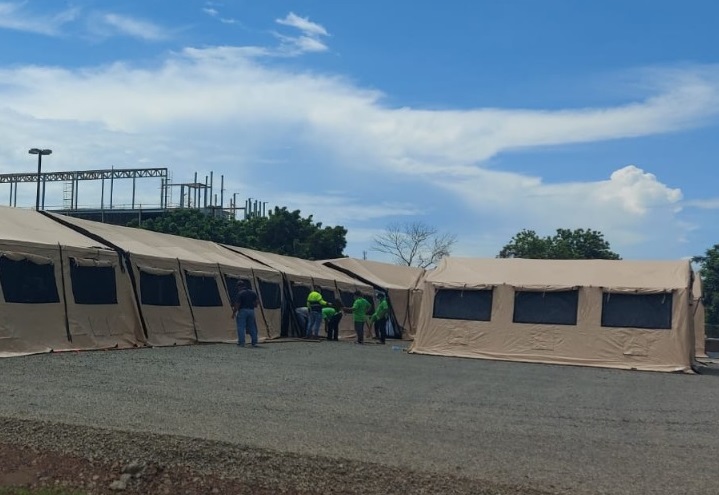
{"x": 39, "y": 153}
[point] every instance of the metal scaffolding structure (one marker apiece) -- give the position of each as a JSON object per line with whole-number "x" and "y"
{"x": 72, "y": 179}
{"x": 194, "y": 195}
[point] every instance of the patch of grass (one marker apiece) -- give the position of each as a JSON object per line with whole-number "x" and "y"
{"x": 36, "y": 491}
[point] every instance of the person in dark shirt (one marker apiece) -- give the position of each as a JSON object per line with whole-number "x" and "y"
{"x": 243, "y": 311}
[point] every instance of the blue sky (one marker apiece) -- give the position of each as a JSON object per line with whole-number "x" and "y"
{"x": 480, "y": 118}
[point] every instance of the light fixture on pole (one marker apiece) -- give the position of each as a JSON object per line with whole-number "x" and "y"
{"x": 39, "y": 153}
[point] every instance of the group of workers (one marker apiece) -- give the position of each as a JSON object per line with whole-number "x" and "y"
{"x": 311, "y": 316}
{"x": 319, "y": 310}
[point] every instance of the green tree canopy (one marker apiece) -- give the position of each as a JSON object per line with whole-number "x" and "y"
{"x": 709, "y": 273}
{"x": 566, "y": 244}
{"x": 282, "y": 232}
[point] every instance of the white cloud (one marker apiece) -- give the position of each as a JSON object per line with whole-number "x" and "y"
{"x": 292, "y": 135}
{"x": 704, "y": 204}
{"x": 626, "y": 207}
{"x": 308, "y": 41}
{"x": 303, "y": 24}
{"x": 135, "y": 28}
{"x": 210, "y": 11}
{"x": 14, "y": 15}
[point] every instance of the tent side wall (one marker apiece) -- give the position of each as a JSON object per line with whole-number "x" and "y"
{"x": 586, "y": 343}
{"x": 31, "y": 320}
{"x": 164, "y": 301}
{"x": 209, "y": 302}
{"x": 101, "y": 308}
{"x": 270, "y": 290}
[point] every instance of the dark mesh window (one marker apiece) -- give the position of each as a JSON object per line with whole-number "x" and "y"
{"x": 454, "y": 304}
{"x": 28, "y": 283}
{"x": 93, "y": 284}
{"x": 271, "y": 294}
{"x": 158, "y": 290}
{"x": 299, "y": 295}
{"x": 348, "y": 298}
{"x": 203, "y": 291}
{"x": 637, "y": 311}
{"x": 548, "y": 308}
{"x": 231, "y": 283}
{"x": 328, "y": 295}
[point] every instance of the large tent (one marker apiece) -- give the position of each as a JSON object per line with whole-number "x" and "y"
{"x": 399, "y": 282}
{"x": 699, "y": 317}
{"x": 301, "y": 275}
{"x": 617, "y": 314}
{"x": 60, "y": 290}
{"x": 185, "y": 285}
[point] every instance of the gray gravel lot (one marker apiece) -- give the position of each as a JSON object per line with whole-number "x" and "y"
{"x": 559, "y": 428}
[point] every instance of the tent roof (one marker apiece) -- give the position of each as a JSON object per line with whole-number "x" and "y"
{"x": 17, "y": 224}
{"x": 383, "y": 275}
{"x": 149, "y": 243}
{"x": 298, "y": 266}
{"x": 563, "y": 273}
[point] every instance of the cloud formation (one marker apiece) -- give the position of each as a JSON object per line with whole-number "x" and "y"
{"x": 15, "y": 16}
{"x": 310, "y": 38}
{"x": 135, "y": 28}
{"x": 264, "y": 126}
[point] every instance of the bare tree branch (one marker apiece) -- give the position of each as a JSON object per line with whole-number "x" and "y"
{"x": 414, "y": 244}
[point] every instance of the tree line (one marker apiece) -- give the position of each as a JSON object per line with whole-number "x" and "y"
{"x": 282, "y": 232}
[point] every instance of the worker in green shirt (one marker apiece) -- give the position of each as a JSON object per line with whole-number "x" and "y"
{"x": 315, "y": 303}
{"x": 332, "y": 316}
{"x": 379, "y": 318}
{"x": 359, "y": 310}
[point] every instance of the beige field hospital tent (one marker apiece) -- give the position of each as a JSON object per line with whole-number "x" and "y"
{"x": 184, "y": 285}
{"x": 301, "y": 275}
{"x": 616, "y": 314}
{"x": 399, "y": 282}
{"x": 699, "y": 318}
{"x": 60, "y": 290}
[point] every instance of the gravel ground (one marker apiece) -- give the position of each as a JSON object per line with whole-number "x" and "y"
{"x": 559, "y": 429}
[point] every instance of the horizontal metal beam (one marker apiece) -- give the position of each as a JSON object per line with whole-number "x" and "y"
{"x": 114, "y": 173}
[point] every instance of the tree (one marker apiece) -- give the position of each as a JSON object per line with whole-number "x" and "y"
{"x": 414, "y": 244}
{"x": 709, "y": 273}
{"x": 282, "y": 232}
{"x": 578, "y": 244}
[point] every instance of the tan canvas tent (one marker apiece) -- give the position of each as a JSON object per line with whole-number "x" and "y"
{"x": 60, "y": 290}
{"x": 616, "y": 314}
{"x": 699, "y": 317}
{"x": 184, "y": 284}
{"x": 301, "y": 275}
{"x": 399, "y": 282}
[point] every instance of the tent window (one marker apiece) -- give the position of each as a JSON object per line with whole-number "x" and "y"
{"x": 158, "y": 290}
{"x": 203, "y": 291}
{"x": 652, "y": 311}
{"x": 299, "y": 295}
{"x": 547, "y": 308}
{"x": 28, "y": 283}
{"x": 468, "y": 304}
{"x": 328, "y": 295}
{"x": 93, "y": 284}
{"x": 271, "y": 295}
{"x": 347, "y": 298}
{"x": 231, "y": 283}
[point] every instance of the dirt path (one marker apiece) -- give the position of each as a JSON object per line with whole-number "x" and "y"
{"x": 97, "y": 461}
